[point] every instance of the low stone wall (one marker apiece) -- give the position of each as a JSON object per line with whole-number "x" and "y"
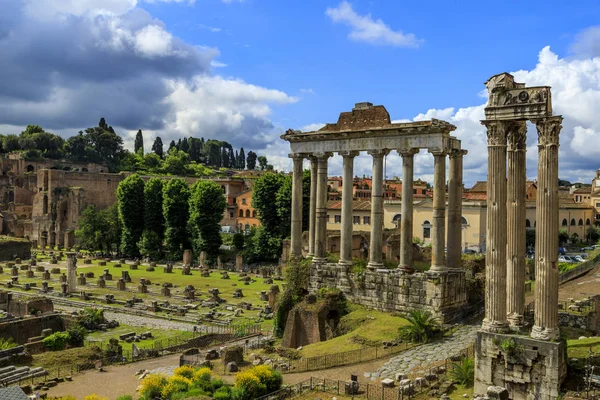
{"x": 20, "y": 330}
{"x": 11, "y": 248}
{"x": 442, "y": 294}
{"x": 527, "y": 368}
{"x": 581, "y": 269}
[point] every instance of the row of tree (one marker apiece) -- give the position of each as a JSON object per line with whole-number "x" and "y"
{"x": 157, "y": 219}
{"x": 102, "y": 145}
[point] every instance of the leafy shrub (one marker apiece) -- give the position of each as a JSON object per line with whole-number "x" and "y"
{"x": 248, "y": 386}
{"x": 223, "y": 393}
{"x": 267, "y": 376}
{"x": 94, "y": 397}
{"x": 152, "y": 386}
{"x": 175, "y": 384}
{"x": 463, "y": 372}
{"x": 125, "y": 397}
{"x": 57, "y": 341}
{"x": 186, "y": 371}
{"x": 77, "y": 336}
{"x": 202, "y": 375}
{"x": 422, "y": 327}
{"x": 6, "y": 344}
{"x": 91, "y": 318}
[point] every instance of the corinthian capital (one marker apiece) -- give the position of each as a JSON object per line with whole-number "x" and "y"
{"x": 517, "y": 136}
{"x": 496, "y": 132}
{"x": 548, "y": 130}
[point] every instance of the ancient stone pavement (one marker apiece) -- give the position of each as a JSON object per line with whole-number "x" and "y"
{"x": 428, "y": 353}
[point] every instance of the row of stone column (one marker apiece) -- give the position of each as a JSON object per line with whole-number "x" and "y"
{"x": 505, "y": 247}
{"x": 318, "y": 208}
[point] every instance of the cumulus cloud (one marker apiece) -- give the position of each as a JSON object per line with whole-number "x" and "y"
{"x": 364, "y": 28}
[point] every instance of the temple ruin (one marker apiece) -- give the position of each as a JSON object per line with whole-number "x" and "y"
{"x": 442, "y": 289}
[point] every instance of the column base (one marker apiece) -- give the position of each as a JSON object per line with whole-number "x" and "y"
{"x": 438, "y": 268}
{"x": 373, "y": 265}
{"x": 345, "y": 263}
{"x": 547, "y": 334}
{"x": 494, "y": 326}
{"x": 319, "y": 260}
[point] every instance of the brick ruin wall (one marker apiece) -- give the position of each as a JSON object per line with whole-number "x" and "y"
{"x": 21, "y": 330}
{"x": 14, "y": 248}
{"x": 442, "y": 294}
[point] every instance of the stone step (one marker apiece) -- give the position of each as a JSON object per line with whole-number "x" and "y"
{"x": 7, "y": 369}
{"x": 17, "y": 370}
{"x": 30, "y": 375}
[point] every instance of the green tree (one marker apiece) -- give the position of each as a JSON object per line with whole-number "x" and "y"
{"x": 283, "y": 203}
{"x": 138, "y": 145}
{"x": 563, "y": 236}
{"x": 11, "y": 143}
{"x": 185, "y": 146}
{"x": 262, "y": 162}
{"x": 422, "y": 326}
{"x": 176, "y": 163}
{"x": 172, "y": 146}
{"x": 264, "y": 200}
{"x": 176, "y": 194}
{"x": 593, "y": 234}
{"x": 242, "y": 159}
{"x": 130, "y": 196}
{"x": 207, "y": 205}
{"x": 262, "y": 245}
{"x": 251, "y": 160}
{"x": 99, "y": 229}
{"x": 157, "y": 147}
{"x": 152, "y": 162}
{"x": 195, "y": 150}
{"x": 31, "y": 130}
{"x": 154, "y": 221}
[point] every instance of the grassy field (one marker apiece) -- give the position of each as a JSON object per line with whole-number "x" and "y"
{"x": 581, "y": 348}
{"x": 364, "y": 327}
{"x": 158, "y": 335}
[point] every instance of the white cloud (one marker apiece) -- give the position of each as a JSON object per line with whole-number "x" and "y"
{"x": 312, "y": 127}
{"x": 365, "y": 29}
{"x": 209, "y": 28}
{"x": 153, "y": 41}
{"x": 308, "y": 90}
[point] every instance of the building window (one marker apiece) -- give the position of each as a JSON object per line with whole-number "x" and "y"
{"x": 414, "y": 191}
{"x": 573, "y": 222}
{"x": 527, "y": 223}
{"x": 45, "y": 205}
{"x": 426, "y": 230}
{"x": 565, "y": 222}
{"x": 588, "y": 222}
{"x": 464, "y": 221}
{"x": 247, "y": 213}
{"x": 366, "y": 220}
{"x": 337, "y": 219}
{"x": 230, "y": 214}
{"x": 598, "y": 216}
{"x": 356, "y": 220}
{"x": 597, "y": 205}
{"x": 241, "y": 213}
{"x": 580, "y": 222}
{"x": 244, "y": 200}
{"x": 327, "y": 218}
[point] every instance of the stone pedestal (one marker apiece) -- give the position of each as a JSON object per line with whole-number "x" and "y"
{"x": 125, "y": 276}
{"x": 82, "y": 280}
{"x": 239, "y": 262}
{"x": 528, "y": 368}
{"x": 101, "y": 282}
{"x": 72, "y": 272}
{"x": 187, "y": 257}
{"x": 121, "y": 284}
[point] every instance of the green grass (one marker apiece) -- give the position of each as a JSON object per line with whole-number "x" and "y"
{"x": 580, "y": 348}
{"x": 65, "y": 358}
{"x": 460, "y": 391}
{"x": 363, "y": 326}
{"x": 157, "y": 335}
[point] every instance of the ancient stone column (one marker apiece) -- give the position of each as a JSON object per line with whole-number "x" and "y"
{"x": 545, "y": 322}
{"x": 312, "y": 218}
{"x": 455, "y": 189}
{"x": 347, "y": 215}
{"x": 296, "y": 234}
{"x": 71, "y": 272}
{"x": 438, "y": 234}
{"x": 495, "y": 256}
{"x": 375, "y": 253}
{"x": 515, "y": 257}
{"x": 406, "y": 219}
{"x": 321, "y": 209}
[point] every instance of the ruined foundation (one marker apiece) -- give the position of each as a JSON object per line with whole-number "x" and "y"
{"x": 444, "y": 294}
{"x": 528, "y": 368}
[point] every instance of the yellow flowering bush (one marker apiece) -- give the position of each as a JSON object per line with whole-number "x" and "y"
{"x": 175, "y": 384}
{"x": 267, "y": 376}
{"x": 152, "y": 385}
{"x": 248, "y": 385}
{"x": 185, "y": 371}
{"x": 94, "y": 397}
{"x": 203, "y": 374}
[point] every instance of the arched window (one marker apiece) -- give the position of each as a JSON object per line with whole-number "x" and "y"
{"x": 253, "y": 213}
{"x": 45, "y": 205}
{"x": 426, "y": 229}
{"x": 247, "y": 227}
{"x": 223, "y": 187}
{"x": 11, "y": 197}
{"x": 247, "y": 213}
{"x": 241, "y": 213}
{"x": 464, "y": 221}
{"x": 527, "y": 223}
{"x": 580, "y": 222}
{"x": 587, "y": 221}
{"x": 397, "y": 219}
{"x": 30, "y": 168}
{"x": 565, "y": 222}
{"x": 573, "y": 222}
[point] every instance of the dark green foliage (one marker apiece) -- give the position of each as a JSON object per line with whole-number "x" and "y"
{"x": 57, "y": 341}
{"x": 138, "y": 145}
{"x": 422, "y": 327}
{"x": 262, "y": 245}
{"x": 238, "y": 240}
{"x": 98, "y": 144}
{"x": 463, "y": 372}
{"x": 207, "y": 205}
{"x": 223, "y": 393}
{"x": 130, "y": 196}
{"x": 242, "y": 159}
{"x": 262, "y": 162}
{"x": 176, "y": 163}
{"x": 251, "y": 160}
{"x": 11, "y": 143}
{"x": 593, "y": 234}
{"x": 157, "y": 147}
{"x": 91, "y": 318}
{"x": 154, "y": 220}
{"x": 176, "y": 194}
{"x": 264, "y": 200}
{"x": 563, "y": 236}
{"x": 195, "y": 150}
{"x": 296, "y": 281}
{"x": 172, "y": 146}
{"x": 99, "y": 229}
{"x": 184, "y": 146}
{"x": 77, "y": 336}
{"x": 530, "y": 238}
{"x": 6, "y": 344}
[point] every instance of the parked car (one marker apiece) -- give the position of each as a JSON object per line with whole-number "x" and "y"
{"x": 589, "y": 248}
{"x": 578, "y": 258}
{"x": 566, "y": 259}
{"x": 469, "y": 251}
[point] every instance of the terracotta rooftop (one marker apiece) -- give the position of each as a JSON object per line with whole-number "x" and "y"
{"x": 481, "y": 186}
{"x": 358, "y": 205}
{"x": 584, "y": 190}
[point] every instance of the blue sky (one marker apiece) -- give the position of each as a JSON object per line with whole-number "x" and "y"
{"x": 245, "y": 71}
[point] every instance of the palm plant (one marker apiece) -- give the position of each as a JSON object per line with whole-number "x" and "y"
{"x": 422, "y": 326}
{"x": 463, "y": 372}
{"x": 6, "y": 344}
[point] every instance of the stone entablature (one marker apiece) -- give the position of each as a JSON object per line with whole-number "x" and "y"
{"x": 443, "y": 294}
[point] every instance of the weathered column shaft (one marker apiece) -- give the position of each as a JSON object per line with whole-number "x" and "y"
{"x": 495, "y": 257}
{"x": 312, "y": 218}
{"x": 455, "y": 189}
{"x": 347, "y": 214}
{"x": 375, "y": 254}
{"x": 515, "y": 260}
{"x": 321, "y": 211}
{"x": 545, "y": 325}
{"x": 438, "y": 236}
{"x": 71, "y": 273}
{"x": 296, "y": 231}
{"x": 406, "y": 216}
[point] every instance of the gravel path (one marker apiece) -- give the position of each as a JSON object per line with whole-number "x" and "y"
{"x": 428, "y": 353}
{"x": 135, "y": 320}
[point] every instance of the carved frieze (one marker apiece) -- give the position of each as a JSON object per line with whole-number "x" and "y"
{"x": 511, "y": 100}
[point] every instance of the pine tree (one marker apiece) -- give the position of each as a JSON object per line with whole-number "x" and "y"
{"x": 195, "y": 149}
{"x": 224, "y": 157}
{"x": 236, "y": 163}
{"x": 172, "y": 146}
{"x": 157, "y": 147}
{"x": 139, "y": 142}
{"x": 102, "y": 123}
{"x": 242, "y": 159}
{"x": 185, "y": 146}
